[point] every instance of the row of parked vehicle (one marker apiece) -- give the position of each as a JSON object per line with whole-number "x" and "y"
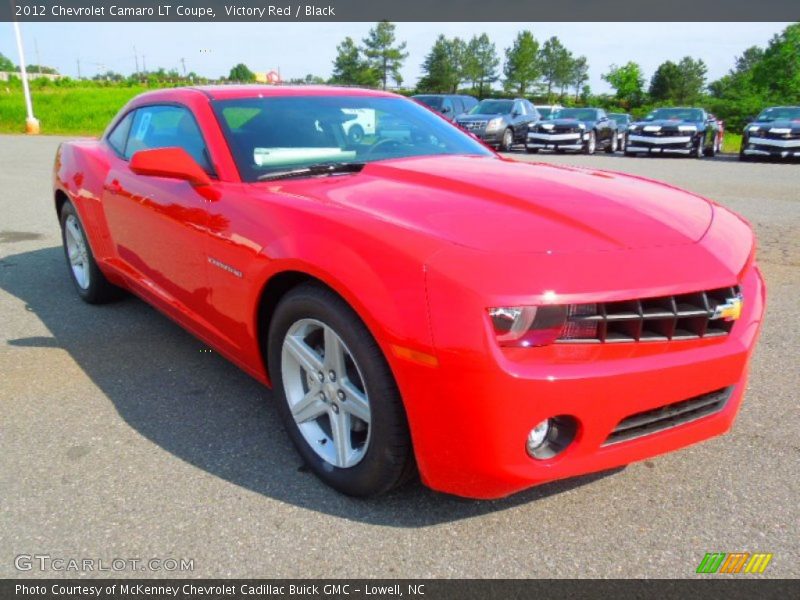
{"x": 690, "y": 131}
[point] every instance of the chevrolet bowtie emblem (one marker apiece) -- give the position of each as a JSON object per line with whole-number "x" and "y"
{"x": 730, "y": 310}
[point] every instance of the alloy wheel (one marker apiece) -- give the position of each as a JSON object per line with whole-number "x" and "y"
{"x": 326, "y": 393}
{"x": 77, "y": 252}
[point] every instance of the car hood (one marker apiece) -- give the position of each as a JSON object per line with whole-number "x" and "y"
{"x": 792, "y": 124}
{"x": 480, "y": 117}
{"x": 670, "y": 123}
{"x": 566, "y": 122}
{"x": 498, "y": 205}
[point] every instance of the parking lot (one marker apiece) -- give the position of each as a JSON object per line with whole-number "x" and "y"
{"x": 120, "y": 437}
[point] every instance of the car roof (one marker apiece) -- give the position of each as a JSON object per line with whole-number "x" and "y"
{"x": 228, "y": 92}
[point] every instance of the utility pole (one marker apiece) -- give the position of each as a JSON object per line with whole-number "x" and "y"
{"x": 183, "y": 64}
{"x": 144, "y": 64}
{"x": 136, "y": 58}
{"x": 38, "y": 60}
{"x": 79, "y": 69}
{"x": 31, "y": 123}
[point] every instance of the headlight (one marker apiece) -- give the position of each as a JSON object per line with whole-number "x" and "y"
{"x": 687, "y": 128}
{"x": 753, "y": 128}
{"x": 524, "y": 326}
{"x": 633, "y": 128}
{"x": 494, "y": 124}
{"x": 581, "y": 126}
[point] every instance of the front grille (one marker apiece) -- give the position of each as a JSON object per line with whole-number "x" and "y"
{"x": 664, "y": 132}
{"x": 681, "y": 317}
{"x": 669, "y": 416}
{"x": 559, "y": 129}
{"x": 473, "y": 125}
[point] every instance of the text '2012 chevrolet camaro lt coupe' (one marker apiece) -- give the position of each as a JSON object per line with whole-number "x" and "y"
{"x": 416, "y": 302}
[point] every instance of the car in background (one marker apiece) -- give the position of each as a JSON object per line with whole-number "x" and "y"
{"x": 623, "y": 120}
{"x": 581, "y": 129}
{"x": 775, "y": 132}
{"x": 720, "y": 130}
{"x": 500, "y": 122}
{"x": 546, "y": 110}
{"x": 679, "y": 130}
{"x": 449, "y": 106}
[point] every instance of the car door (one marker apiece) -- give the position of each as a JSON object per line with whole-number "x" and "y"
{"x": 518, "y": 122}
{"x": 158, "y": 225}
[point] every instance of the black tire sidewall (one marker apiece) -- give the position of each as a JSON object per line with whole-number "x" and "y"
{"x": 386, "y": 461}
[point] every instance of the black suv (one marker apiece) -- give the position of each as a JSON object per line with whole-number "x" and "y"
{"x": 582, "y": 129}
{"x": 775, "y": 132}
{"x": 449, "y": 105}
{"x": 500, "y": 123}
{"x": 681, "y": 130}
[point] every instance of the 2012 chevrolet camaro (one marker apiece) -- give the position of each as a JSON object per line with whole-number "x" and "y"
{"x": 416, "y": 301}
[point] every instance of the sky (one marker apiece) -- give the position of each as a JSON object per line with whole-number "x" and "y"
{"x": 297, "y": 49}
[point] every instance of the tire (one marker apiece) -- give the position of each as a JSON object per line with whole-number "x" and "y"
{"x": 355, "y": 134}
{"x": 612, "y": 145}
{"x": 591, "y": 144}
{"x": 622, "y": 145}
{"x": 90, "y": 283}
{"x": 376, "y": 454}
{"x": 508, "y": 140}
{"x": 711, "y": 152}
{"x": 532, "y": 150}
{"x": 699, "y": 150}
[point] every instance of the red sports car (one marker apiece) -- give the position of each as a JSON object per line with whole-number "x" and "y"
{"x": 417, "y": 302}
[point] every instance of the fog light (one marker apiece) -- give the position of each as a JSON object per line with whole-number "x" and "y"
{"x": 538, "y": 436}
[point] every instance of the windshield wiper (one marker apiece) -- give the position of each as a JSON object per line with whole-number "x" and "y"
{"x": 315, "y": 169}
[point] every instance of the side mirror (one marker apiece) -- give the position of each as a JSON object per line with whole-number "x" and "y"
{"x": 445, "y": 110}
{"x": 174, "y": 163}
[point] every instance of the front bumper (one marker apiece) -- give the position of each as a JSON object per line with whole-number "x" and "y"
{"x": 644, "y": 143}
{"x": 476, "y": 410}
{"x": 556, "y": 141}
{"x": 491, "y": 137}
{"x": 758, "y": 146}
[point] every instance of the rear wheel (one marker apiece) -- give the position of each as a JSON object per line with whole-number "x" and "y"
{"x": 336, "y": 394}
{"x": 90, "y": 283}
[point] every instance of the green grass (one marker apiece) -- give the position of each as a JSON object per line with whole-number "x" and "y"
{"x": 731, "y": 142}
{"x": 70, "y": 111}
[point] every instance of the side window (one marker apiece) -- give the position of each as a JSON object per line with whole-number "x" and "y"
{"x": 167, "y": 127}
{"x": 118, "y": 138}
{"x": 519, "y": 108}
{"x": 448, "y": 104}
{"x": 601, "y": 114}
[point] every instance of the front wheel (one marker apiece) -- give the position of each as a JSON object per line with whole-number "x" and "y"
{"x": 591, "y": 144}
{"x": 336, "y": 394}
{"x": 90, "y": 283}
{"x": 699, "y": 150}
{"x": 612, "y": 145}
{"x": 622, "y": 144}
{"x": 508, "y": 140}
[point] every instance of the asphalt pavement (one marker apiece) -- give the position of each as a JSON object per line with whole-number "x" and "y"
{"x": 121, "y": 438}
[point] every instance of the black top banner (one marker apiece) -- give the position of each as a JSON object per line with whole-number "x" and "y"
{"x": 405, "y": 10}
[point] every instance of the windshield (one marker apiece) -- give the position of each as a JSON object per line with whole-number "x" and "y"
{"x": 621, "y": 119}
{"x": 293, "y": 132}
{"x": 581, "y": 114}
{"x": 675, "y": 114}
{"x": 788, "y": 113}
{"x": 493, "y": 107}
{"x": 434, "y": 102}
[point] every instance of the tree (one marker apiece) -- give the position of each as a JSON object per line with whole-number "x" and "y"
{"x": 350, "y": 68}
{"x": 6, "y": 64}
{"x": 241, "y": 74}
{"x": 481, "y": 62}
{"x": 778, "y": 71}
{"x": 579, "y": 75}
{"x": 556, "y": 64}
{"x": 522, "y": 68}
{"x": 383, "y": 55}
{"x": 680, "y": 83}
{"x": 444, "y": 66}
{"x": 628, "y": 82}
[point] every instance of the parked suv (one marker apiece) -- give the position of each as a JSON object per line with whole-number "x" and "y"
{"x": 500, "y": 122}
{"x": 449, "y": 105}
{"x": 581, "y": 129}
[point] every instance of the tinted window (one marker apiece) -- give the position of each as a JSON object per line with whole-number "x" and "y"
{"x": 434, "y": 102}
{"x": 117, "y": 138}
{"x": 791, "y": 113}
{"x": 580, "y": 114}
{"x": 275, "y": 133}
{"x": 676, "y": 114}
{"x": 167, "y": 127}
{"x": 493, "y": 107}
